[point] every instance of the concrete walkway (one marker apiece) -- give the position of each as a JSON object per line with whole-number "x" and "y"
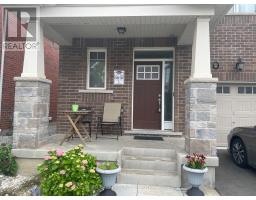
{"x": 146, "y": 190}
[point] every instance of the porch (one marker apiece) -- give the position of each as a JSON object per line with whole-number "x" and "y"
{"x": 143, "y": 162}
{"x": 92, "y": 31}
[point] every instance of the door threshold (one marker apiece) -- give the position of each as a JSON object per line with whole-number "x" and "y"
{"x": 152, "y": 132}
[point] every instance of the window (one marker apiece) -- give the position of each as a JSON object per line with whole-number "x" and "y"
{"x": 241, "y": 90}
{"x": 96, "y": 61}
{"x": 148, "y": 72}
{"x": 223, "y": 89}
{"x": 246, "y": 90}
{"x": 244, "y": 8}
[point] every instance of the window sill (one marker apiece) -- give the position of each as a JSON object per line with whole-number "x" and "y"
{"x": 96, "y": 91}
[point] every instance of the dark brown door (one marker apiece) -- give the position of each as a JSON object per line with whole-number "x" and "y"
{"x": 147, "y": 95}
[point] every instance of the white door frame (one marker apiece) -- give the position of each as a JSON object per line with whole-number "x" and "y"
{"x": 173, "y": 70}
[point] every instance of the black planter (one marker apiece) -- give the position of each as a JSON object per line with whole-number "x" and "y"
{"x": 107, "y": 192}
{"x": 195, "y": 191}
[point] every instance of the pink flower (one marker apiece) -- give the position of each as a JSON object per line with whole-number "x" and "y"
{"x": 47, "y": 157}
{"x": 59, "y": 152}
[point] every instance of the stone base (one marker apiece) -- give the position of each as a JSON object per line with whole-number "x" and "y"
{"x": 200, "y": 118}
{"x": 31, "y": 112}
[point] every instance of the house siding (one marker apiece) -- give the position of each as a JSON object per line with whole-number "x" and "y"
{"x": 13, "y": 63}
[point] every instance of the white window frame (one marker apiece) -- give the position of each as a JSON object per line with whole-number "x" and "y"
{"x": 96, "y": 49}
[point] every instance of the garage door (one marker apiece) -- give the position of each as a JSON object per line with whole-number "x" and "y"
{"x": 236, "y": 106}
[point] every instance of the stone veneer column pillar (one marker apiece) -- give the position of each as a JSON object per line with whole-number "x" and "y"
{"x": 32, "y": 97}
{"x": 31, "y": 112}
{"x": 200, "y": 119}
{"x": 200, "y": 102}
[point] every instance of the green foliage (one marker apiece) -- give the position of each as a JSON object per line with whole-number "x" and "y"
{"x": 69, "y": 174}
{"x": 8, "y": 165}
{"x": 108, "y": 165}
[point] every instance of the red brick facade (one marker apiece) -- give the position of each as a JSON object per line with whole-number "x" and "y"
{"x": 119, "y": 53}
{"x": 232, "y": 38}
{"x": 13, "y": 63}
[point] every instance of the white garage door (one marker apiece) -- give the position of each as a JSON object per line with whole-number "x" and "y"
{"x": 236, "y": 106}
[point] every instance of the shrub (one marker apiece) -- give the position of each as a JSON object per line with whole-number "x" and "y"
{"x": 69, "y": 174}
{"x": 108, "y": 165}
{"x": 8, "y": 165}
{"x": 196, "y": 161}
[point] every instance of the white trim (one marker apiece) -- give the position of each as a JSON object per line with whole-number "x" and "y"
{"x": 2, "y": 58}
{"x": 173, "y": 76}
{"x": 153, "y": 59}
{"x": 162, "y": 97}
{"x": 95, "y": 49}
{"x": 153, "y": 49}
{"x": 96, "y": 91}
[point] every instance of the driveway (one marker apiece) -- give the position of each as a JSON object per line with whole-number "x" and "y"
{"x": 232, "y": 180}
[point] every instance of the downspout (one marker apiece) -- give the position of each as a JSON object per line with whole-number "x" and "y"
{"x": 2, "y": 58}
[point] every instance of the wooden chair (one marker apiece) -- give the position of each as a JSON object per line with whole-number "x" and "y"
{"x": 87, "y": 120}
{"x": 111, "y": 117}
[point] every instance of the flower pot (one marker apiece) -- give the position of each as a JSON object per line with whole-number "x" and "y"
{"x": 195, "y": 178}
{"x": 75, "y": 107}
{"x": 108, "y": 179}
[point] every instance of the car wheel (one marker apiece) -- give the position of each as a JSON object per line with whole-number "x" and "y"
{"x": 238, "y": 152}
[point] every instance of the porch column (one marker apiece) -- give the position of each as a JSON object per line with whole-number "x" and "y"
{"x": 200, "y": 102}
{"x": 32, "y": 97}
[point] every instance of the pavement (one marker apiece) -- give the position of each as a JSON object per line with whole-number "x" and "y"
{"x": 232, "y": 180}
{"x": 147, "y": 190}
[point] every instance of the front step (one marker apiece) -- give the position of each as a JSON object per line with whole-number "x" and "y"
{"x": 149, "y": 166}
{"x": 153, "y": 163}
{"x": 150, "y": 152}
{"x": 165, "y": 133}
{"x": 149, "y": 177}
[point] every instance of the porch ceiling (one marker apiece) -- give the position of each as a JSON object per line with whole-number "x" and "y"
{"x": 99, "y": 27}
{"x": 147, "y": 21}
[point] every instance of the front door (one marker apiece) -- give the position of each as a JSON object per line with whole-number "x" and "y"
{"x": 147, "y": 95}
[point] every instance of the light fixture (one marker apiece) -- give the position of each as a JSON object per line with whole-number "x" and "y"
{"x": 121, "y": 30}
{"x": 215, "y": 65}
{"x": 239, "y": 65}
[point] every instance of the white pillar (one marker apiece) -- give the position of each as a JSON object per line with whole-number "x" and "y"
{"x": 201, "y": 67}
{"x": 33, "y": 66}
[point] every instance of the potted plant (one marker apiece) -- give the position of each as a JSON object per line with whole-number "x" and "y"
{"x": 75, "y": 107}
{"x": 195, "y": 168}
{"x": 70, "y": 173}
{"x": 108, "y": 172}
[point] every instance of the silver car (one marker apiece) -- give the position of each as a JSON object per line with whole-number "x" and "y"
{"x": 242, "y": 146}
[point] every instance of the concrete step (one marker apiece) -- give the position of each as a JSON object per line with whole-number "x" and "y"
{"x": 152, "y": 163}
{"x": 165, "y": 133}
{"x": 149, "y": 177}
{"x": 150, "y": 152}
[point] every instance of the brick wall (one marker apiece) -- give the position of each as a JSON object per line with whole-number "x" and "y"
{"x": 13, "y": 63}
{"x": 234, "y": 37}
{"x": 73, "y": 75}
{"x": 51, "y": 61}
{"x": 183, "y": 55}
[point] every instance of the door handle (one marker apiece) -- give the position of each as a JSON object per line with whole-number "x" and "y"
{"x": 159, "y": 102}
